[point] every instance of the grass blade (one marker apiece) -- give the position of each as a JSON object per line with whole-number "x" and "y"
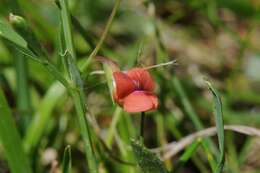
{"x": 207, "y": 144}
{"x": 77, "y": 93}
{"x": 9, "y": 35}
{"x": 23, "y": 93}
{"x": 13, "y": 38}
{"x": 11, "y": 141}
{"x": 42, "y": 116}
{"x": 220, "y": 127}
{"x": 112, "y": 129}
{"x": 66, "y": 162}
{"x": 66, "y": 27}
{"x": 187, "y": 154}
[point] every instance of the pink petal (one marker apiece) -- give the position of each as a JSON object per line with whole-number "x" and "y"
{"x": 154, "y": 100}
{"x": 139, "y": 101}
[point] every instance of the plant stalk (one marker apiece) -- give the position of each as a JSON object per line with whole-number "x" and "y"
{"x": 142, "y": 126}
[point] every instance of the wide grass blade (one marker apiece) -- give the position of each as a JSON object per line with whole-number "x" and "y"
{"x": 23, "y": 93}
{"x": 11, "y": 141}
{"x": 66, "y": 162}
{"x": 220, "y": 127}
{"x": 21, "y": 68}
{"x": 9, "y": 35}
{"x": 14, "y": 39}
{"x": 41, "y": 118}
{"x": 147, "y": 160}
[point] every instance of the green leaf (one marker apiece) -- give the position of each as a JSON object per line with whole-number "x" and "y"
{"x": 9, "y": 34}
{"x": 220, "y": 127}
{"x": 19, "y": 43}
{"x": 11, "y": 140}
{"x": 23, "y": 91}
{"x": 147, "y": 160}
{"x": 66, "y": 162}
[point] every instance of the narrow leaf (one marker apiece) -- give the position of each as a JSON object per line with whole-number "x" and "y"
{"x": 66, "y": 163}
{"x": 66, "y": 27}
{"x": 220, "y": 127}
{"x": 11, "y": 140}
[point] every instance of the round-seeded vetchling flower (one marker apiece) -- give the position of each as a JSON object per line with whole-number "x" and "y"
{"x": 134, "y": 90}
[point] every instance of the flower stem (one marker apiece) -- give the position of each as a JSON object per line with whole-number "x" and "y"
{"x": 142, "y": 126}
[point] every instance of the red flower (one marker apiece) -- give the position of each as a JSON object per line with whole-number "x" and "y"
{"x": 134, "y": 90}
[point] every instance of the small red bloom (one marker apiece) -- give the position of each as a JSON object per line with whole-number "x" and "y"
{"x": 134, "y": 90}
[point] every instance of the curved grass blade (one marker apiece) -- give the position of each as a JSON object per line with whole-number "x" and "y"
{"x": 220, "y": 127}
{"x": 13, "y": 38}
{"x": 11, "y": 140}
{"x": 22, "y": 27}
{"x": 147, "y": 160}
{"x": 8, "y": 33}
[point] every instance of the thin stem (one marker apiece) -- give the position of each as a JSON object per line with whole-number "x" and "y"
{"x": 77, "y": 92}
{"x": 103, "y": 36}
{"x": 161, "y": 64}
{"x": 142, "y": 126}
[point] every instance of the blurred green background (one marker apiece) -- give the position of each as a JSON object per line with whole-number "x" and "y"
{"x": 218, "y": 40}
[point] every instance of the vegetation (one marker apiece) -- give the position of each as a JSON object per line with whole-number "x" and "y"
{"x": 60, "y": 109}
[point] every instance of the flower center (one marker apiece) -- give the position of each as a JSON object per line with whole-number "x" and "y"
{"x": 137, "y": 85}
